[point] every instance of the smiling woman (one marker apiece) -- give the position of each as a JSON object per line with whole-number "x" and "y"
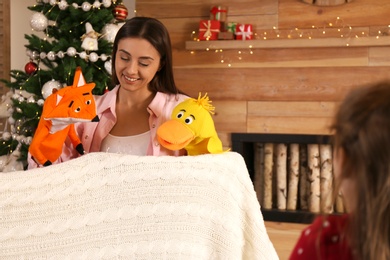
{"x": 326, "y": 2}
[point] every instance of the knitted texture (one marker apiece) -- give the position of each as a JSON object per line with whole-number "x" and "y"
{"x": 114, "y": 206}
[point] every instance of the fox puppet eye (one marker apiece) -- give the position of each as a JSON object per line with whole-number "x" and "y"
{"x": 88, "y": 102}
{"x": 77, "y": 110}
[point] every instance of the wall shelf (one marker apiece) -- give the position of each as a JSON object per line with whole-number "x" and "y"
{"x": 289, "y": 43}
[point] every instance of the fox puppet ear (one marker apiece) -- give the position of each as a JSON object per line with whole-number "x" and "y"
{"x": 79, "y": 79}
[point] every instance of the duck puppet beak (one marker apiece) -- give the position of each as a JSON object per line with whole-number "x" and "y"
{"x": 174, "y": 135}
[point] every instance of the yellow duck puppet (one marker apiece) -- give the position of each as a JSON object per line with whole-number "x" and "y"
{"x": 191, "y": 127}
{"x": 61, "y": 109}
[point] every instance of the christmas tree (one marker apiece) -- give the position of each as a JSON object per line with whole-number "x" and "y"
{"x": 78, "y": 33}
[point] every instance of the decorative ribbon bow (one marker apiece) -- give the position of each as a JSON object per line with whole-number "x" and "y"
{"x": 243, "y": 32}
{"x": 215, "y": 10}
{"x": 208, "y": 31}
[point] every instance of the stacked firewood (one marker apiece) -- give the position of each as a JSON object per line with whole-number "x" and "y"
{"x": 296, "y": 177}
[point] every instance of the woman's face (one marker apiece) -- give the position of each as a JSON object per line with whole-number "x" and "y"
{"x": 136, "y": 63}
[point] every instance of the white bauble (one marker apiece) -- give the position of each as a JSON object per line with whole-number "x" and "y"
{"x": 83, "y": 55}
{"x": 107, "y": 3}
{"x": 109, "y": 31}
{"x": 86, "y": 6}
{"x": 42, "y": 55}
{"x": 6, "y": 136}
{"x": 93, "y": 57}
{"x": 47, "y": 88}
{"x": 11, "y": 120}
{"x": 38, "y": 22}
{"x": 40, "y": 102}
{"x": 60, "y": 54}
{"x": 96, "y": 4}
{"x": 62, "y": 5}
{"x": 71, "y": 51}
{"x": 103, "y": 57}
{"x": 51, "y": 55}
{"x": 108, "y": 66}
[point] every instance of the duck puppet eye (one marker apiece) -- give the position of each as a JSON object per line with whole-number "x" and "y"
{"x": 189, "y": 120}
{"x": 180, "y": 114}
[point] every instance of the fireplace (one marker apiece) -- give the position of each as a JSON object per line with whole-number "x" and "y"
{"x": 292, "y": 174}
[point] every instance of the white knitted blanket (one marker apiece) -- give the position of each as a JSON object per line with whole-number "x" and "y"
{"x": 112, "y": 206}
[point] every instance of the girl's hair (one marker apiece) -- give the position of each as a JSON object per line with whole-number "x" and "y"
{"x": 157, "y": 35}
{"x": 362, "y": 130}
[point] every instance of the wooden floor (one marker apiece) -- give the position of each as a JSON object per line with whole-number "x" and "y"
{"x": 284, "y": 236}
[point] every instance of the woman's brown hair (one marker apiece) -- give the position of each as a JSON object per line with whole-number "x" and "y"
{"x": 362, "y": 131}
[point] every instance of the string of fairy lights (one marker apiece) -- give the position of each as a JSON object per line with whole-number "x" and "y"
{"x": 336, "y": 29}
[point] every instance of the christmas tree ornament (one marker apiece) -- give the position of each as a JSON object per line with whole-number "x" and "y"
{"x": 109, "y": 31}
{"x": 103, "y": 57}
{"x": 60, "y": 54}
{"x": 40, "y": 102}
{"x": 93, "y": 57}
{"x": 48, "y": 87}
{"x": 71, "y": 52}
{"x": 6, "y": 136}
{"x": 42, "y": 55}
{"x": 34, "y": 55}
{"x": 13, "y": 163}
{"x": 86, "y": 6}
{"x": 30, "y": 68}
{"x": 120, "y": 12}
{"x": 106, "y": 3}
{"x": 108, "y": 66}
{"x": 38, "y": 22}
{"x": 83, "y": 55}
{"x": 63, "y": 5}
{"x": 90, "y": 38}
{"x": 51, "y": 55}
{"x": 11, "y": 120}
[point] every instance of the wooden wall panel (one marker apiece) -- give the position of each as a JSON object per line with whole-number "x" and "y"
{"x": 277, "y": 84}
{"x": 355, "y": 13}
{"x": 201, "y": 8}
{"x": 279, "y": 58}
{"x": 379, "y": 56}
{"x": 288, "y": 125}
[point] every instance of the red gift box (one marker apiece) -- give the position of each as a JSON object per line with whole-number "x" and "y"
{"x": 209, "y": 29}
{"x": 244, "y": 32}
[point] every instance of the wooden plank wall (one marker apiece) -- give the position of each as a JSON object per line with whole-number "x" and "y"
{"x": 290, "y": 90}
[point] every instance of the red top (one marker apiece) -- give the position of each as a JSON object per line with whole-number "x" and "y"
{"x": 323, "y": 239}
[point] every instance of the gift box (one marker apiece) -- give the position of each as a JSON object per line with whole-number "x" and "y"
{"x": 231, "y": 27}
{"x": 219, "y": 13}
{"x": 225, "y": 36}
{"x": 244, "y": 32}
{"x": 209, "y": 29}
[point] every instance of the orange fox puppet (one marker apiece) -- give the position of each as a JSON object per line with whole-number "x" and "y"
{"x": 61, "y": 110}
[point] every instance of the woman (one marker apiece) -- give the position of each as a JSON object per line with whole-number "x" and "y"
{"x": 362, "y": 173}
{"x": 143, "y": 98}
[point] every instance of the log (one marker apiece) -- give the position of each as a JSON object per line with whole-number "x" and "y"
{"x": 268, "y": 166}
{"x": 258, "y": 178}
{"x": 304, "y": 182}
{"x": 293, "y": 177}
{"x": 314, "y": 177}
{"x": 281, "y": 176}
{"x": 326, "y": 182}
